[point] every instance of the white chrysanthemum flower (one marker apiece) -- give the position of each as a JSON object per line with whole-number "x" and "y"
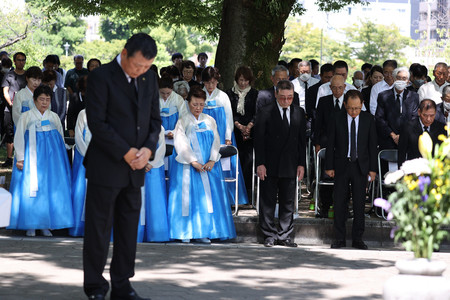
{"x": 393, "y": 177}
{"x": 416, "y": 166}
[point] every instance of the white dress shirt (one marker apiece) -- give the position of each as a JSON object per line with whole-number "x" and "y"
{"x": 431, "y": 91}
{"x": 376, "y": 89}
{"x": 325, "y": 90}
{"x": 288, "y": 113}
{"x": 299, "y": 88}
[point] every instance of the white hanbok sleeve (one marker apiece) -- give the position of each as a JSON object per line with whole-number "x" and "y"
{"x": 17, "y": 107}
{"x": 228, "y": 114}
{"x": 160, "y": 152}
{"x": 185, "y": 154}
{"x": 215, "y": 155}
{"x": 79, "y": 128}
{"x": 54, "y": 118}
{"x": 19, "y": 137}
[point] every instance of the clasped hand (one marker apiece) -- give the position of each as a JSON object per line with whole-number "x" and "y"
{"x": 203, "y": 168}
{"x": 138, "y": 159}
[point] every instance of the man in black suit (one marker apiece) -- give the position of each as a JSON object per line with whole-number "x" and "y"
{"x": 326, "y": 72}
{"x": 267, "y": 96}
{"x": 327, "y": 108}
{"x": 123, "y": 115}
{"x": 396, "y": 107}
{"x": 443, "y": 109}
{"x": 351, "y": 157}
{"x": 280, "y": 149}
{"x": 408, "y": 145}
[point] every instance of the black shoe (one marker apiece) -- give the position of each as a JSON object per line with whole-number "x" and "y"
{"x": 130, "y": 296}
{"x": 269, "y": 242}
{"x": 96, "y": 297}
{"x": 359, "y": 245}
{"x": 8, "y": 163}
{"x": 287, "y": 243}
{"x": 337, "y": 244}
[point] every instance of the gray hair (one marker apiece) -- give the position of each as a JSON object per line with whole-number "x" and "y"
{"x": 358, "y": 71}
{"x": 279, "y": 68}
{"x": 400, "y": 69}
{"x": 446, "y": 90}
{"x": 305, "y": 63}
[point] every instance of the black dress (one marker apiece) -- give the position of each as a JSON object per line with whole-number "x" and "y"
{"x": 245, "y": 147}
{"x": 76, "y": 104}
{"x": 366, "y": 97}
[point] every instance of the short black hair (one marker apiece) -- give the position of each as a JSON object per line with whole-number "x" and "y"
{"x": 92, "y": 60}
{"x": 51, "y": 59}
{"x": 202, "y": 54}
{"x": 42, "y": 89}
{"x": 33, "y": 72}
{"x": 49, "y": 75}
{"x": 284, "y": 85}
{"x": 326, "y": 68}
{"x": 197, "y": 92}
{"x": 19, "y": 53}
{"x": 353, "y": 94}
{"x": 366, "y": 66}
{"x": 313, "y": 63}
{"x": 177, "y": 55}
{"x": 187, "y": 64}
{"x": 427, "y": 104}
{"x": 418, "y": 70}
{"x": 6, "y": 62}
{"x": 340, "y": 64}
{"x": 283, "y": 63}
{"x": 390, "y": 63}
{"x": 141, "y": 42}
{"x": 165, "y": 82}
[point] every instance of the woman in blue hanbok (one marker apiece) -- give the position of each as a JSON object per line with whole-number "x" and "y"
{"x": 40, "y": 184}
{"x": 198, "y": 208}
{"x": 82, "y": 138}
{"x": 23, "y": 100}
{"x": 218, "y": 106}
{"x": 153, "y": 223}
{"x": 171, "y": 105}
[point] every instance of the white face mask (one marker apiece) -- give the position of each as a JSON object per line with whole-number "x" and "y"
{"x": 305, "y": 77}
{"x": 447, "y": 105}
{"x": 358, "y": 83}
{"x": 400, "y": 85}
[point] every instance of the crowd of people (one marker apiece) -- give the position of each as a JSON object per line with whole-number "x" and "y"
{"x": 185, "y": 196}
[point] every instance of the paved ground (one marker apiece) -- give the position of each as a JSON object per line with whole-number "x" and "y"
{"x": 50, "y": 268}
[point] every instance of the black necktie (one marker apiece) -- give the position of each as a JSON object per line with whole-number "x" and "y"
{"x": 133, "y": 87}
{"x": 425, "y": 128}
{"x": 398, "y": 104}
{"x": 336, "y": 105}
{"x": 306, "y": 86}
{"x": 353, "y": 140}
{"x": 285, "y": 119}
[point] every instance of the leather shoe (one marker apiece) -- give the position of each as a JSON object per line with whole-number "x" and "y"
{"x": 269, "y": 242}
{"x": 337, "y": 244}
{"x": 96, "y": 297}
{"x": 359, "y": 245}
{"x": 287, "y": 243}
{"x": 130, "y": 296}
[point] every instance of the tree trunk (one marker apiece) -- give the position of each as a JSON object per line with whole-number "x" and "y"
{"x": 252, "y": 34}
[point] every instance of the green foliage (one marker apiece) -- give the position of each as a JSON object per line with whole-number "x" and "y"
{"x": 113, "y": 27}
{"x": 376, "y": 43}
{"x": 104, "y": 51}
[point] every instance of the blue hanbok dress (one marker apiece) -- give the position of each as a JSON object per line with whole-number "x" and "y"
{"x": 79, "y": 182}
{"x": 153, "y": 222}
{"x": 198, "y": 207}
{"x": 218, "y": 106}
{"x": 171, "y": 110}
{"x": 41, "y": 191}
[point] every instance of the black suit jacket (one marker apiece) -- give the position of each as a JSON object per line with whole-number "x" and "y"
{"x": 280, "y": 151}
{"x": 440, "y": 114}
{"x": 267, "y": 96}
{"x": 119, "y": 121}
{"x": 366, "y": 97}
{"x": 310, "y": 100}
{"x": 366, "y": 143}
{"x": 409, "y": 139}
{"x": 324, "y": 115}
{"x": 389, "y": 120}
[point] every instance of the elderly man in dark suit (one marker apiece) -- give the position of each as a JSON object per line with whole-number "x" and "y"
{"x": 267, "y": 96}
{"x": 408, "y": 145}
{"x": 123, "y": 115}
{"x": 280, "y": 148}
{"x": 443, "y": 109}
{"x": 351, "y": 158}
{"x": 396, "y": 107}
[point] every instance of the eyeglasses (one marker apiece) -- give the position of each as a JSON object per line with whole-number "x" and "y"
{"x": 282, "y": 98}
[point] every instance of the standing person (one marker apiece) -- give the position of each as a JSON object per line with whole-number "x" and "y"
{"x": 280, "y": 149}
{"x": 123, "y": 116}
{"x": 303, "y": 81}
{"x": 387, "y": 83}
{"x": 40, "y": 183}
{"x": 202, "y": 59}
{"x": 70, "y": 82}
{"x": 13, "y": 82}
{"x": 433, "y": 90}
{"x": 351, "y": 156}
{"x": 197, "y": 206}
{"x": 374, "y": 76}
{"x": 23, "y": 100}
{"x": 77, "y": 102}
{"x": 243, "y": 104}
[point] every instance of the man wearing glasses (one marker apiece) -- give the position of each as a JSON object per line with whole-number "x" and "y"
{"x": 351, "y": 157}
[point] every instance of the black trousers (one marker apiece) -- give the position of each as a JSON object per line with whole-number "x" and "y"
{"x": 285, "y": 188}
{"x": 108, "y": 207}
{"x": 350, "y": 173}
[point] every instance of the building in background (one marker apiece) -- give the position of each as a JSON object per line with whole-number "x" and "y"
{"x": 433, "y": 19}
